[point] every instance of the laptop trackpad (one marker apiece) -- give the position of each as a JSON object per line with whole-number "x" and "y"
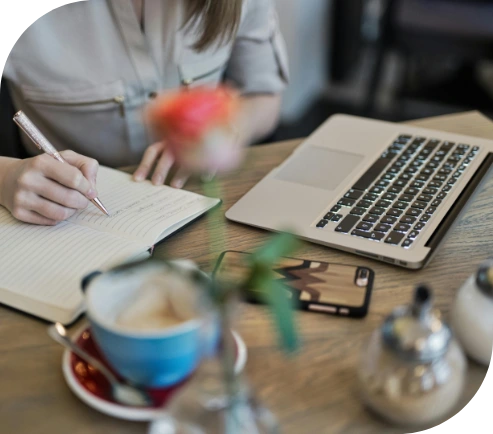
{"x": 319, "y": 167}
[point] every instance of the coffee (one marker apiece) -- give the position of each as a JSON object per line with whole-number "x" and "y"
{"x": 160, "y": 302}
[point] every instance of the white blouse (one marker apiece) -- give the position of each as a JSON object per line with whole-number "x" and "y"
{"x": 84, "y": 72}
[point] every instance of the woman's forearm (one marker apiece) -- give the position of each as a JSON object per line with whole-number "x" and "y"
{"x": 259, "y": 116}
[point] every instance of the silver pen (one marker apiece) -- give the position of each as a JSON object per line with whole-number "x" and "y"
{"x": 43, "y": 144}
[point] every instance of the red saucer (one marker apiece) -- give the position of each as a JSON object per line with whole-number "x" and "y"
{"x": 93, "y": 388}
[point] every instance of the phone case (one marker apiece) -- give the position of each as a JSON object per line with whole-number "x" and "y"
{"x": 313, "y": 285}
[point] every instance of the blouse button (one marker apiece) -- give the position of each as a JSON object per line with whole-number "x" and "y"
{"x": 152, "y": 95}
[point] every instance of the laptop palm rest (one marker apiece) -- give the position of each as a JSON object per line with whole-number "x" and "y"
{"x": 319, "y": 167}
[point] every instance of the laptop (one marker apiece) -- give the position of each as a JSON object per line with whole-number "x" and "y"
{"x": 386, "y": 191}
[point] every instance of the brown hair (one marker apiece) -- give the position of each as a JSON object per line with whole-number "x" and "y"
{"x": 218, "y": 20}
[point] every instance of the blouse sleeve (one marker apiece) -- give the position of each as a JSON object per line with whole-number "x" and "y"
{"x": 258, "y": 62}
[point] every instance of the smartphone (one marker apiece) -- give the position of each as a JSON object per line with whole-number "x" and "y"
{"x": 312, "y": 285}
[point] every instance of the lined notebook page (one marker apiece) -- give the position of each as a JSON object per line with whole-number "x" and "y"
{"x": 47, "y": 263}
{"x": 139, "y": 211}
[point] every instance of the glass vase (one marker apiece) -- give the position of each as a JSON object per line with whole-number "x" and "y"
{"x": 217, "y": 400}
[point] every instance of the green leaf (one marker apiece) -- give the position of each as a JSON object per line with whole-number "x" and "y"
{"x": 279, "y": 245}
{"x": 281, "y": 305}
{"x": 262, "y": 278}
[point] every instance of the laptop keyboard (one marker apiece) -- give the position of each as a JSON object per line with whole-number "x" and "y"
{"x": 397, "y": 196}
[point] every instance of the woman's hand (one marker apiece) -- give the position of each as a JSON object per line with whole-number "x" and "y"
{"x": 44, "y": 191}
{"x": 157, "y": 154}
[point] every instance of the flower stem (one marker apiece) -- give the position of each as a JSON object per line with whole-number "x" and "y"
{"x": 223, "y": 297}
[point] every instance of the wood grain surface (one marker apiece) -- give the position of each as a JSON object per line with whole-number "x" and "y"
{"x": 312, "y": 392}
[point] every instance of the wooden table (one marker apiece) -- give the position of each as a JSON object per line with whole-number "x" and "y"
{"x": 315, "y": 392}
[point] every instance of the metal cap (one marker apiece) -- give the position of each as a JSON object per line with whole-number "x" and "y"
{"x": 484, "y": 278}
{"x": 417, "y": 332}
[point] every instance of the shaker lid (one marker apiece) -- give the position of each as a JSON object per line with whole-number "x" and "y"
{"x": 417, "y": 332}
{"x": 484, "y": 278}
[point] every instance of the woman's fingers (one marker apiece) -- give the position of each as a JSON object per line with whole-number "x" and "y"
{"x": 55, "y": 192}
{"x": 151, "y": 154}
{"x": 162, "y": 168}
{"x": 65, "y": 174}
{"x": 29, "y": 202}
{"x": 180, "y": 178}
{"x": 34, "y": 218}
{"x": 88, "y": 166}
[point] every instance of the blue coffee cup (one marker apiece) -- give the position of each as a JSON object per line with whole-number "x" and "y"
{"x": 151, "y": 357}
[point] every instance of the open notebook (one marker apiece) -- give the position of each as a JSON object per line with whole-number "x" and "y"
{"x": 42, "y": 267}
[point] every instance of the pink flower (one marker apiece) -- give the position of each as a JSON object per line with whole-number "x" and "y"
{"x": 198, "y": 126}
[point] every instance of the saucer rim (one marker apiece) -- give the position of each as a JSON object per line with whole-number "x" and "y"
{"x": 127, "y": 412}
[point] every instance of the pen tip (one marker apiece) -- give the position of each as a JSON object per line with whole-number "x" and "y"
{"x": 100, "y": 206}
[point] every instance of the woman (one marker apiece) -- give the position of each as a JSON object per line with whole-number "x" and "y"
{"x": 84, "y": 72}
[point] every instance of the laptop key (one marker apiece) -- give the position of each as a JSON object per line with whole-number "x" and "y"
{"x": 358, "y": 211}
{"x": 419, "y": 205}
{"x": 322, "y": 223}
{"x": 353, "y": 194}
{"x": 370, "y": 196}
{"x": 413, "y": 234}
{"x": 376, "y": 236}
{"x": 394, "y": 238}
{"x": 388, "y": 220}
{"x": 401, "y": 227}
{"x": 411, "y": 191}
{"x": 452, "y": 181}
{"x": 424, "y": 218}
{"x": 418, "y": 226}
{"x": 329, "y": 216}
{"x": 382, "y": 183}
{"x": 364, "y": 226}
{"x": 394, "y": 212}
{"x": 436, "y": 202}
{"x": 382, "y": 204}
{"x": 364, "y": 204}
{"x": 388, "y": 196}
{"x": 447, "y": 146}
{"x": 401, "y": 183}
{"x": 417, "y": 184}
{"x": 425, "y": 197}
{"x": 346, "y": 202}
{"x": 336, "y": 218}
{"x": 372, "y": 173}
{"x": 370, "y": 218}
{"x": 435, "y": 184}
{"x": 360, "y": 233}
{"x": 413, "y": 212}
{"x": 407, "y": 219}
{"x": 407, "y": 243}
{"x": 406, "y": 198}
{"x": 335, "y": 208}
{"x": 389, "y": 176}
{"x": 446, "y": 188}
{"x": 394, "y": 189}
{"x": 377, "y": 190}
{"x": 400, "y": 205}
{"x": 429, "y": 191}
{"x": 347, "y": 223}
{"x": 377, "y": 210}
{"x": 382, "y": 228}
{"x": 430, "y": 210}
{"x": 441, "y": 195}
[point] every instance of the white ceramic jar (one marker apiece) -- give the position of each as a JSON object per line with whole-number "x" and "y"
{"x": 472, "y": 314}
